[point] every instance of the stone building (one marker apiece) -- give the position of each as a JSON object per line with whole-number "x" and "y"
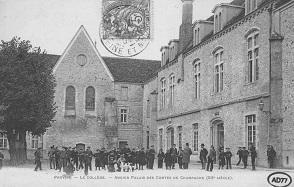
{"x": 98, "y": 99}
{"x": 226, "y": 82}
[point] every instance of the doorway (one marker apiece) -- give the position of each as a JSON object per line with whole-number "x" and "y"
{"x": 217, "y": 134}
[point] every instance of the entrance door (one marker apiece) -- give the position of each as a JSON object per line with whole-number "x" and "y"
{"x": 220, "y": 135}
{"x": 170, "y": 137}
{"x": 217, "y": 135}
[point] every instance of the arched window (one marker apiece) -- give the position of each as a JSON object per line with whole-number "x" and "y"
{"x": 70, "y": 97}
{"x": 90, "y": 99}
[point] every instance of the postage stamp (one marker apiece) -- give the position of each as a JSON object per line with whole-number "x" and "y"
{"x": 126, "y": 19}
{"x": 125, "y": 28}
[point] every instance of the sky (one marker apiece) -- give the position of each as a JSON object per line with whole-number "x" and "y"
{"x": 51, "y": 24}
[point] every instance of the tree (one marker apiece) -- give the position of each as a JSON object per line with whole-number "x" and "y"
{"x": 27, "y": 91}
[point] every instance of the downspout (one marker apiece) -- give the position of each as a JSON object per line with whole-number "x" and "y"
{"x": 270, "y": 70}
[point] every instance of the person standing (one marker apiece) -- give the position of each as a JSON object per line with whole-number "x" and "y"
{"x": 239, "y": 153}
{"x": 160, "y": 157}
{"x": 57, "y": 159}
{"x": 151, "y": 157}
{"x": 173, "y": 152}
{"x": 271, "y": 155}
{"x": 253, "y": 155}
{"x": 1, "y": 160}
{"x": 221, "y": 158}
{"x": 63, "y": 158}
{"x": 228, "y": 156}
{"x": 203, "y": 156}
{"x": 51, "y": 155}
{"x": 180, "y": 158}
{"x": 142, "y": 158}
{"x": 38, "y": 157}
{"x": 88, "y": 159}
{"x": 168, "y": 159}
{"x": 245, "y": 155}
{"x": 75, "y": 158}
{"x": 211, "y": 158}
{"x": 187, "y": 152}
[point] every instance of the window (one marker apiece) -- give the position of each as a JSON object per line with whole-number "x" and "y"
{"x": 70, "y": 98}
{"x": 148, "y": 138}
{"x": 148, "y": 109}
{"x": 172, "y": 89}
{"x": 3, "y": 141}
{"x": 253, "y": 57}
{"x": 254, "y": 4}
{"x": 90, "y": 99}
{"x": 180, "y": 136}
{"x": 250, "y": 121}
{"x": 124, "y": 93}
{"x": 197, "y": 78}
{"x": 160, "y": 133}
{"x": 220, "y": 21}
{"x": 35, "y": 142}
{"x": 123, "y": 115}
{"x": 81, "y": 60}
{"x": 163, "y": 93}
{"x": 195, "y": 36}
{"x": 218, "y": 71}
{"x": 195, "y": 137}
{"x": 216, "y": 23}
{"x": 198, "y": 36}
{"x": 248, "y": 5}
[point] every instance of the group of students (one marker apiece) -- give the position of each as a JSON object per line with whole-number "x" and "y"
{"x": 70, "y": 159}
{"x": 173, "y": 156}
{"x": 224, "y": 157}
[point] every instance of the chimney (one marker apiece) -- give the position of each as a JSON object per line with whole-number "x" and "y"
{"x": 186, "y": 34}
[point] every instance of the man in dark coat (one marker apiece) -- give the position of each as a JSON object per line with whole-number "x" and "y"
{"x": 57, "y": 159}
{"x": 180, "y": 157}
{"x": 160, "y": 157}
{"x": 168, "y": 159}
{"x": 203, "y": 154}
{"x": 38, "y": 157}
{"x": 173, "y": 152}
{"x": 211, "y": 158}
{"x": 51, "y": 155}
{"x": 81, "y": 157}
{"x": 151, "y": 157}
{"x": 228, "y": 156}
{"x": 221, "y": 158}
{"x": 63, "y": 157}
{"x": 271, "y": 155}
{"x": 75, "y": 158}
{"x": 1, "y": 160}
{"x": 253, "y": 155}
{"x": 245, "y": 155}
{"x": 239, "y": 153}
{"x": 187, "y": 152}
{"x": 88, "y": 160}
{"x": 142, "y": 158}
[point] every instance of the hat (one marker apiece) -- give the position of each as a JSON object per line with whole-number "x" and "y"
{"x": 227, "y": 148}
{"x": 202, "y": 145}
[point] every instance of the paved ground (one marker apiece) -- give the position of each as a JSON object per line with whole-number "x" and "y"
{"x": 24, "y": 176}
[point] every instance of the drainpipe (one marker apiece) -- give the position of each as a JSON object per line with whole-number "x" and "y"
{"x": 270, "y": 69}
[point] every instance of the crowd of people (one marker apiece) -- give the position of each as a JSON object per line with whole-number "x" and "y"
{"x": 116, "y": 160}
{"x": 69, "y": 159}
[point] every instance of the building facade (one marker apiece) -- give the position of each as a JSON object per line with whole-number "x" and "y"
{"x": 228, "y": 83}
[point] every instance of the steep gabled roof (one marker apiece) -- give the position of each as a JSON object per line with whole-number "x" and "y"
{"x": 123, "y": 69}
{"x": 131, "y": 70}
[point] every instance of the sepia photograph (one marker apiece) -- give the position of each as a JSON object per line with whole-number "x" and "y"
{"x": 139, "y": 93}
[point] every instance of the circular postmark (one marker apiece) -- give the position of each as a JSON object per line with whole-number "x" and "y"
{"x": 125, "y": 47}
{"x": 125, "y": 28}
